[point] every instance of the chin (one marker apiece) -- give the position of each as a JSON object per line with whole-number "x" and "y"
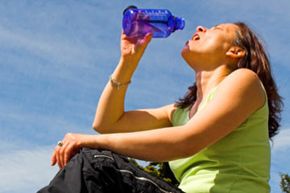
{"x": 188, "y": 58}
{"x": 185, "y": 54}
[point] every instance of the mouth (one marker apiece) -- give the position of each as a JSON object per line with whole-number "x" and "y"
{"x": 196, "y": 37}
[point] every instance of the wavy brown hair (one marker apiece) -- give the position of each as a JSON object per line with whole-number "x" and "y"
{"x": 255, "y": 59}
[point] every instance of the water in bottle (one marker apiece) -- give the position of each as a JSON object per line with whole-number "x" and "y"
{"x": 160, "y": 22}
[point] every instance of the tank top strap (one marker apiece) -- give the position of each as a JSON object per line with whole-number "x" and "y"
{"x": 208, "y": 98}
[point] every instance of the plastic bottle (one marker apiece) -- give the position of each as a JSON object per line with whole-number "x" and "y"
{"x": 160, "y": 22}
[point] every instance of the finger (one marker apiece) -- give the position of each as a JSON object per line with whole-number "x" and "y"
{"x": 147, "y": 38}
{"x": 123, "y": 35}
{"x": 57, "y": 155}
{"x": 142, "y": 43}
{"x": 61, "y": 155}
{"x": 68, "y": 153}
{"x": 53, "y": 159}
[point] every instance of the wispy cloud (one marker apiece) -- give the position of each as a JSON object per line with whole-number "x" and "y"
{"x": 25, "y": 170}
{"x": 281, "y": 141}
{"x": 53, "y": 49}
{"x": 34, "y": 126}
{"x": 280, "y": 158}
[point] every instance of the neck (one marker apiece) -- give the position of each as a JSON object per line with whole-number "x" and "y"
{"x": 206, "y": 80}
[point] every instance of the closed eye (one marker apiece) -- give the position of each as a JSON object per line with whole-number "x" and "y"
{"x": 217, "y": 27}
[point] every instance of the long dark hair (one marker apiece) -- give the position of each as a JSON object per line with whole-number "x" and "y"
{"x": 256, "y": 60}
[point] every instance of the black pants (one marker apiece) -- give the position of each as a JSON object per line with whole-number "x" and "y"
{"x": 101, "y": 171}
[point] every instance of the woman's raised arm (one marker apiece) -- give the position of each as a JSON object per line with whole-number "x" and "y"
{"x": 110, "y": 113}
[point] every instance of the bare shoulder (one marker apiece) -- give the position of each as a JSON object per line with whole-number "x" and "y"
{"x": 237, "y": 97}
{"x": 243, "y": 78}
{"x": 244, "y": 84}
{"x": 245, "y": 75}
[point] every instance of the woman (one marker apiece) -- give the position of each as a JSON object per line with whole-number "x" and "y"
{"x": 216, "y": 139}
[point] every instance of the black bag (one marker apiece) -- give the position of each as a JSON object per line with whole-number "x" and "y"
{"x": 102, "y": 171}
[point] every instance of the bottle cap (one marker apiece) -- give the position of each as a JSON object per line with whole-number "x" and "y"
{"x": 129, "y": 7}
{"x": 179, "y": 23}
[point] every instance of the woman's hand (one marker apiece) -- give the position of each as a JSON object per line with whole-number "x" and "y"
{"x": 68, "y": 147}
{"x": 132, "y": 49}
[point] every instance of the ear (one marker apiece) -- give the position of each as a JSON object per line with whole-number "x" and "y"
{"x": 236, "y": 52}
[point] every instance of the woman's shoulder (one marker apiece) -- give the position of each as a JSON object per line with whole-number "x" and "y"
{"x": 244, "y": 73}
{"x": 243, "y": 78}
{"x": 244, "y": 84}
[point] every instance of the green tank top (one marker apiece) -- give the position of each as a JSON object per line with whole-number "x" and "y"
{"x": 238, "y": 163}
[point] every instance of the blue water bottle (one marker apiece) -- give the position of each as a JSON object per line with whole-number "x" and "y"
{"x": 160, "y": 22}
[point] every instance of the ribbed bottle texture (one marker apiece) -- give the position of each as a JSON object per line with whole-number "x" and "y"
{"x": 160, "y": 22}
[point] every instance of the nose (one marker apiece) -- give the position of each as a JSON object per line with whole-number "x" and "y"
{"x": 201, "y": 29}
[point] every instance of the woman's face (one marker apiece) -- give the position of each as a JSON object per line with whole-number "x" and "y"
{"x": 209, "y": 45}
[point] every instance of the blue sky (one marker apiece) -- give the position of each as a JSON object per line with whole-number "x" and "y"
{"x": 56, "y": 56}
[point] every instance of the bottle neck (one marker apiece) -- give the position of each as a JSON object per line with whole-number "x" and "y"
{"x": 179, "y": 23}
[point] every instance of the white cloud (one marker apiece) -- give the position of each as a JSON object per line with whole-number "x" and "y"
{"x": 52, "y": 48}
{"x": 282, "y": 140}
{"x": 25, "y": 170}
{"x": 280, "y": 158}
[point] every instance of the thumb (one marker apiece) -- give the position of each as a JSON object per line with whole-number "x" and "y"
{"x": 143, "y": 43}
{"x": 147, "y": 38}
{"x": 53, "y": 159}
